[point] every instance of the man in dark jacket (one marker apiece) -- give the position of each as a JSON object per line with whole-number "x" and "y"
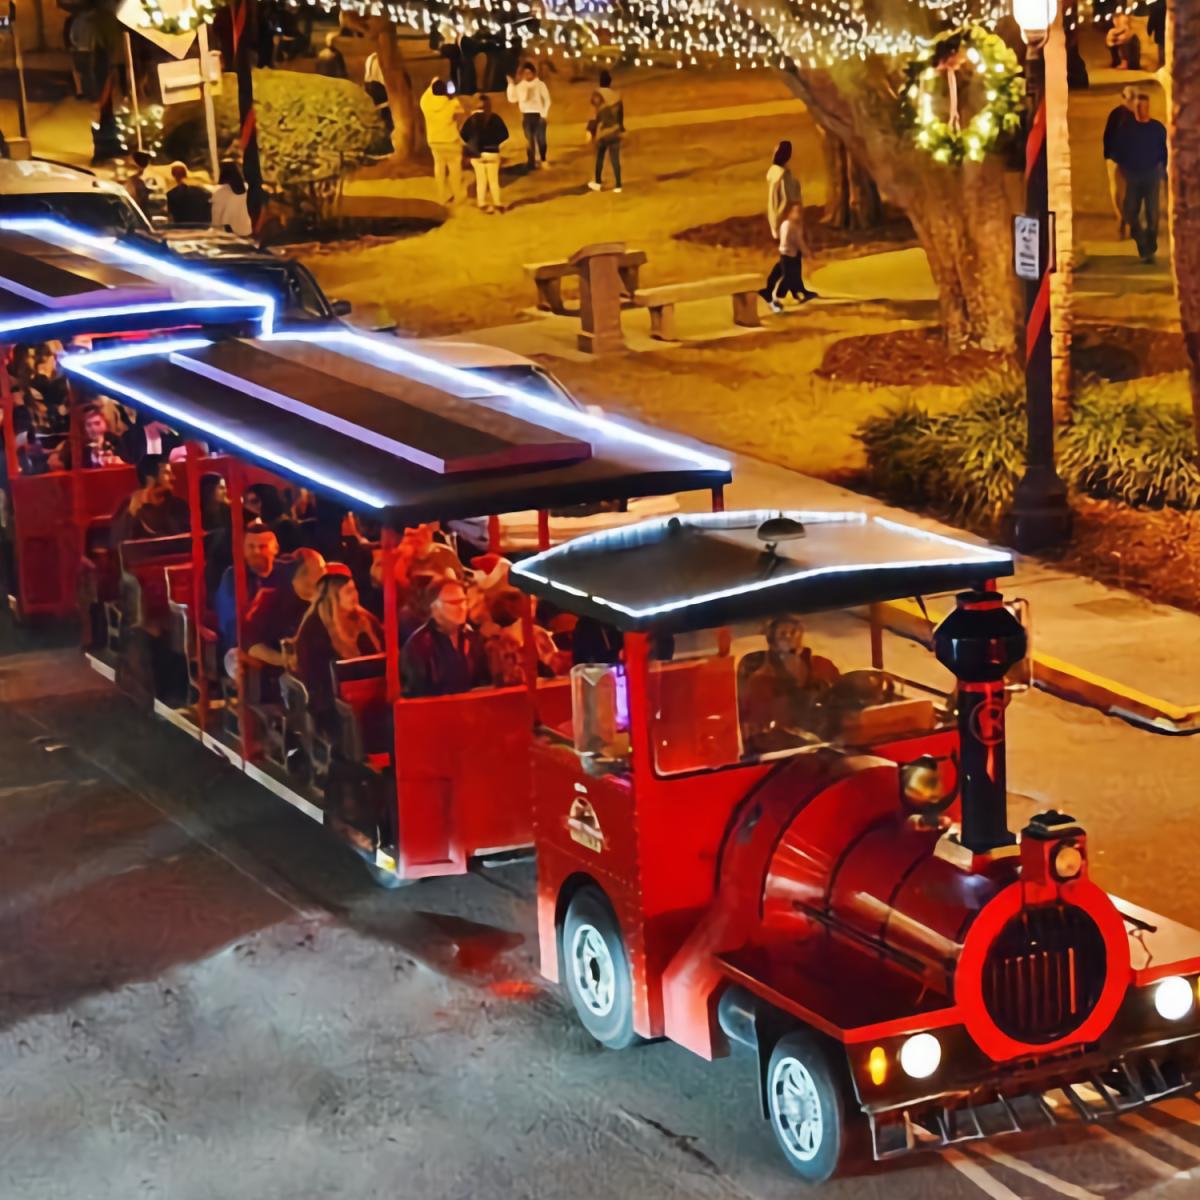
{"x": 187, "y": 204}
{"x": 445, "y": 655}
{"x": 1140, "y": 149}
{"x": 1117, "y": 120}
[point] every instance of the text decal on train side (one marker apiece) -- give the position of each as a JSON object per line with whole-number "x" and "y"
{"x": 582, "y": 823}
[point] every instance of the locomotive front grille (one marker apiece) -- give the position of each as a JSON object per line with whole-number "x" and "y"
{"x": 1044, "y": 974}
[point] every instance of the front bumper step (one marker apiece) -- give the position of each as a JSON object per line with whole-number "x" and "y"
{"x": 1094, "y": 1091}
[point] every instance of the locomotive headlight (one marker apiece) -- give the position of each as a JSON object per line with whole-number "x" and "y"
{"x": 1173, "y": 998}
{"x": 1067, "y": 861}
{"x": 920, "y": 1055}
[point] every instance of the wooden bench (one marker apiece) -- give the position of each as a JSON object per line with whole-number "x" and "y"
{"x": 661, "y": 301}
{"x": 548, "y": 277}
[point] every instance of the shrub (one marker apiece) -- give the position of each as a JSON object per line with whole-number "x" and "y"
{"x": 1127, "y": 448}
{"x": 964, "y": 464}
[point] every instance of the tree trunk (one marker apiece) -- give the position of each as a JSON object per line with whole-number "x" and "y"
{"x": 852, "y": 200}
{"x": 961, "y": 214}
{"x": 408, "y": 133}
{"x": 1183, "y": 59}
{"x": 1062, "y": 282}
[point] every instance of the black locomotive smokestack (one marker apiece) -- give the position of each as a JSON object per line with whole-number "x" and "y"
{"x": 980, "y": 641}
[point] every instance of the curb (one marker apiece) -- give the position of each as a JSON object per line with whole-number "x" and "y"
{"x": 1066, "y": 680}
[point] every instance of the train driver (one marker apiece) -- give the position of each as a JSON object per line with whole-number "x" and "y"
{"x": 783, "y": 693}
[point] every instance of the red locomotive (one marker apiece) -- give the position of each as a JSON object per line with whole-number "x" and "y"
{"x": 752, "y": 845}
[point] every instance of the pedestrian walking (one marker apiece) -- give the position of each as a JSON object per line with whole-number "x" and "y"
{"x": 793, "y": 245}
{"x": 375, "y": 87}
{"x": 607, "y": 129}
{"x": 1141, "y": 153}
{"x": 483, "y": 133}
{"x": 532, "y": 97}
{"x": 783, "y": 190}
{"x": 444, "y": 115}
{"x": 1124, "y": 45}
{"x": 1117, "y": 119}
{"x": 135, "y": 181}
{"x": 230, "y": 201}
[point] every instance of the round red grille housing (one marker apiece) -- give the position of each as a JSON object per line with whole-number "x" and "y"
{"x": 1044, "y": 974}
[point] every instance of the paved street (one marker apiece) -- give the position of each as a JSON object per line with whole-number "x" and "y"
{"x": 197, "y": 983}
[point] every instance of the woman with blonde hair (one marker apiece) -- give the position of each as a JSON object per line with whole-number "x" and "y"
{"x": 336, "y": 626}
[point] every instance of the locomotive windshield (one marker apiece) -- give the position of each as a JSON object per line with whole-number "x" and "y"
{"x": 760, "y": 691}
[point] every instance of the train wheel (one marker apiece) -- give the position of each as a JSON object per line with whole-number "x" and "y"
{"x": 596, "y": 970}
{"x": 806, "y": 1103}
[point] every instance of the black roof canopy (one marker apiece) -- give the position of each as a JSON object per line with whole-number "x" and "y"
{"x": 698, "y": 572}
{"x": 373, "y": 425}
{"x": 57, "y": 281}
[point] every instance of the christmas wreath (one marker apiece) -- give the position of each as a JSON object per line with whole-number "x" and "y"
{"x": 197, "y": 13}
{"x": 969, "y": 70}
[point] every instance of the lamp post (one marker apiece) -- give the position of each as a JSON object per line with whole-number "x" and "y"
{"x": 1040, "y": 514}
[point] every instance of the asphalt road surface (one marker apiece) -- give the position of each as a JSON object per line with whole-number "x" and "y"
{"x": 202, "y": 996}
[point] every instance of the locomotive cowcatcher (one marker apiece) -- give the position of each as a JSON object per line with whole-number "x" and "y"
{"x": 755, "y": 844}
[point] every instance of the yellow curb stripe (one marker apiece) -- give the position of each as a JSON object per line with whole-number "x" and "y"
{"x": 1056, "y": 675}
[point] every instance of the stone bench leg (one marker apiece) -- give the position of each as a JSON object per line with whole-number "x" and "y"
{"x": 662, "y": 322}
{"x": 629, "y": 279}
{"x": 745, "y": 309}
{"x": 550, "y": 295}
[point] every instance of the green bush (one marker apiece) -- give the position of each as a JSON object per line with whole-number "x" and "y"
{"x": 1137, "y": 451}
{"x": 965, "y": 464}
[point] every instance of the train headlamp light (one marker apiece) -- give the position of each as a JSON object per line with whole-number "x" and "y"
{"x": 1173, "y": 998}
{"x": 920, "y": 1055}
{"x": 1067, "y": 862}
{"x": 877, "y": 1066}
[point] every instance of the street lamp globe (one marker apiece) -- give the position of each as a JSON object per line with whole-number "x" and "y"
{"x": 1035, "y": 16}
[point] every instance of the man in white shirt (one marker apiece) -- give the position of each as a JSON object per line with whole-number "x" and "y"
{"x": 532, "y": 97}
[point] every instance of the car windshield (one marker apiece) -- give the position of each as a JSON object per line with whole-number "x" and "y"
{"x": 99, "y": 211}
{"x": 531, "y": 378}
{"x": 296, "y": 292}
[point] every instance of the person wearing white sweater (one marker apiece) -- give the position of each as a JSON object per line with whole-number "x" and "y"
{"x": 532, "y": 97}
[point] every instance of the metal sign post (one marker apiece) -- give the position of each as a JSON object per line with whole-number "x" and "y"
{"x": 210, "y": 120}
{"x": 133, "y": 96}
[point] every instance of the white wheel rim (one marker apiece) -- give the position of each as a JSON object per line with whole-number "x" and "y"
{"x": 592, "y": 970}
{"x": 796, "y": 1106}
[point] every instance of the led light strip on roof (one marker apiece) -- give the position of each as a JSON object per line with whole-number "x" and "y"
{"x": 83, "y": 364}
{"x": 545, "y": 407}
{"x": 972, "y": 556}
{"x": 68, "y": 235}
{"x": 30, "y": 324}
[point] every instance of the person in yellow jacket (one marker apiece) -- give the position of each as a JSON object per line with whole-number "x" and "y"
{"x": 443, "y": 116}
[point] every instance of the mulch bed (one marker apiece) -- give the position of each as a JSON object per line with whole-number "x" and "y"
{"x": 914, "y": 357}
{"x": 1155, "y": 552}
{"x": 751, "y": 233}
{"x": 1122, "y": 352}
{"x": 918, "y": 356}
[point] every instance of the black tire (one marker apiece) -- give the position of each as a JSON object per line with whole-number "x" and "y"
{"x": 807, "y": 1106}
{"x": 595, "y": 969}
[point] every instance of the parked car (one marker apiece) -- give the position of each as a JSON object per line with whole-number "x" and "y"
{"x": 37, "y": 188}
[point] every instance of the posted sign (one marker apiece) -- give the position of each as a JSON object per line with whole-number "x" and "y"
{"x": 1026, "y": 243}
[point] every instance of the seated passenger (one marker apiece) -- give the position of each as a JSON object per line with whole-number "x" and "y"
{"x": 148, "y": 436}
{"x": 99, "y": 445}
{"x": 153, "y": 510}
{"x": 260, "y": 549}
{"x": 277, "y": 612}
{"x": 445, "y": 655}
{"x": 428, "y": 554}
{"x": 781, "y": 699}
{"x": 336, "y": 627}
{"x": 263, "y": 501}
{"x": 503, "y": 633}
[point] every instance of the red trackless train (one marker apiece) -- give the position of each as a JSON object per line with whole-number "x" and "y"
{"x": 748, "y": 831}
